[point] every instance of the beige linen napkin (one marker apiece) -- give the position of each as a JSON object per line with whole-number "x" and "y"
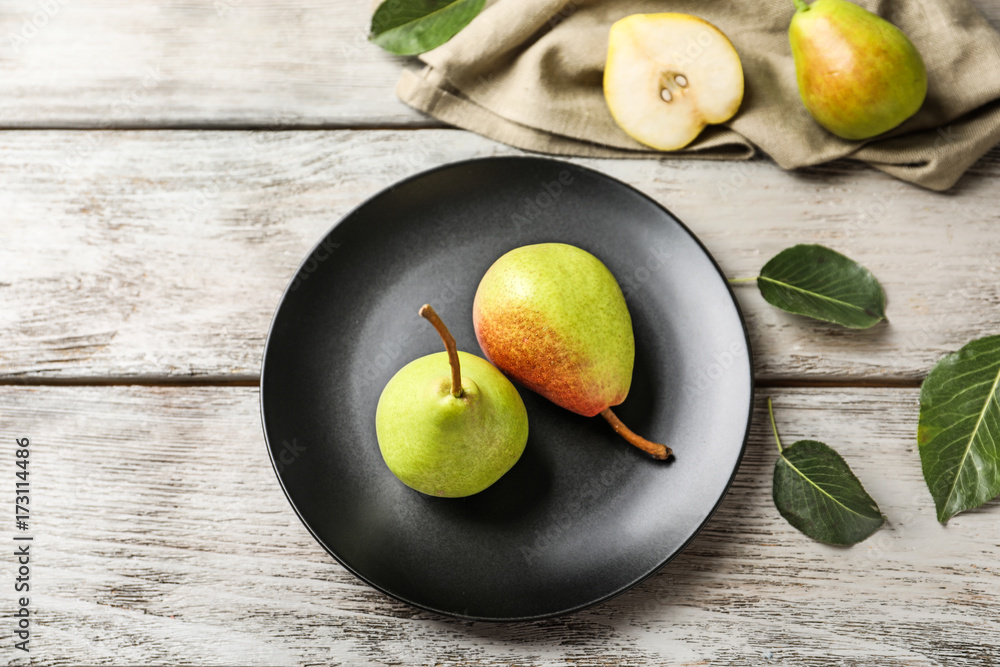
{"x": 528, "y": 73}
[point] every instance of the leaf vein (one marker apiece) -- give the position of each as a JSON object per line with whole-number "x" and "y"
{"x": 990, "y": 398}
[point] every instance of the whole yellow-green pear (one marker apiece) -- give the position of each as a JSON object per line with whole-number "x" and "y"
{"x": 858, "y": 74}
{"x": 450, "y": 424}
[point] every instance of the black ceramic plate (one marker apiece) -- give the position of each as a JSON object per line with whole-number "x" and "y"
{"x": 583, "y": 515}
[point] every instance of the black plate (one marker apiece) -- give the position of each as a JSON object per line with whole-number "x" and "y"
{"x": 583, "y": 515}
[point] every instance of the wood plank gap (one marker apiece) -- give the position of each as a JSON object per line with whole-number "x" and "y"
{"x": 140, "y": 381}
{"x": 840, "y": 383}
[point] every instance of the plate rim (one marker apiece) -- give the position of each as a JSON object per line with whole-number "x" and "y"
{"x": 570, "y": 610}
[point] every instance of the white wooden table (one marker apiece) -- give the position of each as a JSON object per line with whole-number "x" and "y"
{"x": 165, "y": 165}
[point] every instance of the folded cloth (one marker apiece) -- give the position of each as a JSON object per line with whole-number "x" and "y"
{"x": 529, "y": 73}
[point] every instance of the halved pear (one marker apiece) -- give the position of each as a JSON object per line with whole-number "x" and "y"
{"x": 669, "y": 75}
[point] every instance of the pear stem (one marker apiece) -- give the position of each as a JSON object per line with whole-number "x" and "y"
{"x": 656, "y": 450}
{"x": 428, "y": 314}
{"x": 801, "y": 5}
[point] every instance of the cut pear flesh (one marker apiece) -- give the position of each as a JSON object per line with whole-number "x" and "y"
{"x": 669, "y": 75}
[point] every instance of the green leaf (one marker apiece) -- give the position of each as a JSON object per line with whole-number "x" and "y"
{"x": 817, "y": 282}
{"x": 409, "y": 27}
{"x": 959, "y": 429}
{"x": 815, "y": 490}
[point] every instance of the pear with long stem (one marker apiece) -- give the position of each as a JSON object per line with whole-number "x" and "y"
{"x": 450, "y": 424}
{"x": 553, "y": 317}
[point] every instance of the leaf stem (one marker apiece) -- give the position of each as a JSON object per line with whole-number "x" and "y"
{"x": 428, "y": 314}
{"x": 801, "y": 5}
{"x": 733, "y": 281}
{"x": 774, "y": 427}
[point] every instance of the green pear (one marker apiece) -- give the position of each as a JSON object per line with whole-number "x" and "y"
{"x": 445, "y": 433}
{"x": 858, "y": 74}
{"x": 553, "y": 317}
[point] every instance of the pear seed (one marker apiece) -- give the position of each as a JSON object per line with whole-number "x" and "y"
{"x": 681, "y": 80}
{"x": 665, "y": 94}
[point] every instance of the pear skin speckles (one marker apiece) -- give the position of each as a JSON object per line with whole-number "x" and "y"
{"x": 552, "y": 317}
{"x": 522, "y": 345}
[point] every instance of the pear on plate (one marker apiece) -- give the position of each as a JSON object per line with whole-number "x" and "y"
{"x": 450, "y": 424}
{"x": 669, "y": 75}
{"x": 553, "y": 317}
{"x": 858, "y": 74}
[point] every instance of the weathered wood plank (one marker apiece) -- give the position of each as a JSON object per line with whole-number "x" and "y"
{"x": 163, "y": 254}
{"x": 162, "y": 536}
{"x": 157, "y": 63}
{"x": 101, "y": 63}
